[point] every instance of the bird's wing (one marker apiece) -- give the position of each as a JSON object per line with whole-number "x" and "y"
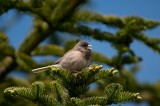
{"x": 59, "y": 60}
{"x": 64, "y": 56}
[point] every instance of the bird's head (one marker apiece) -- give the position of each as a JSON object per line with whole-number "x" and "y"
{"x": 82, "y": 46}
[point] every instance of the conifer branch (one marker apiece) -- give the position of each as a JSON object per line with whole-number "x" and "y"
{"x": 151, "y": 42}
{"x": 84, "y": 15}
{"x": 21, "y": 92}
{"x": 6, "y": 5}
{"x": 61, "y": 74}
{"x": 42, "y": 27}
{"x": 76, "y": 85}
{"x": 48, "y": 100}
{"x": 62, "y": 16}
{"x": 125, "y": 60}
{"x": 115, "y": 94}
{"x": 138, "y": 23}
{"x": 25, "y": 62}
{"x": 101, "y": 58}
{"x": 3, "y": 37}
{"x": 40, "y": 32}
{"x": 6, "y": 49}
{"x": 93, "y": 73}
{"x": 79, "y": 83}
{"x": 104, "y": 74}
{"x": 67, "y": 7}
{"x": 18, "y": 82}
{"x": 35, "y": 94}
{"x": 86, "y": 31}
{"x": 64, "y": 77}
{"x": 38, "y": 8}
{"x": 48, "y": 50}
{"x": 88, "y": 101}
{"x": 5, "y": 66}
{"x": 95, "y": 100}
{"x": 37, "y": 89}
{"x": 73, "y": 101}
{"x": 57, "y": 90}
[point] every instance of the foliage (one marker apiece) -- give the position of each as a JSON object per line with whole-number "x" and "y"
{"x": 66, "y": 16}
{"x": 75, "y": 86}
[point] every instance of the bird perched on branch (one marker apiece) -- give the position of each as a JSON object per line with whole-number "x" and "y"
{"x": 75, "y": 59}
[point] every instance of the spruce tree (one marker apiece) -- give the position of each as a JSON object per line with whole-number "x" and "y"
{"x": 59, "y": 86}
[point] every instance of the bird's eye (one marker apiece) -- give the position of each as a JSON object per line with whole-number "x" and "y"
{"x": 84, "y": 45}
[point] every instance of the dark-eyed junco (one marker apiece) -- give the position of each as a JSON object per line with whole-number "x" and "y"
{"x": 75, "y": 59}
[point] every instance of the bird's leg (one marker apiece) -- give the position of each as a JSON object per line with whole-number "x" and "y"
{"x": 77, "y": 73}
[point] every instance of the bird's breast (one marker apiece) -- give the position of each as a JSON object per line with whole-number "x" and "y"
{"x": 75, "y": 61}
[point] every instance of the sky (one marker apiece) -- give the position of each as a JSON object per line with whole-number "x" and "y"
{"x": 149, "y": 9}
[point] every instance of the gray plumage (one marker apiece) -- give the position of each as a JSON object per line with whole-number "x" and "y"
{"x": 75, "y": 59}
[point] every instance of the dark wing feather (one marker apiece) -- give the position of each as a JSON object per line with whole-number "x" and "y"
{"x": 59, "y": 60}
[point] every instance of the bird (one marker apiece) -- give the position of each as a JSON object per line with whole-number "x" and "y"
{"x": 75, "y": 60}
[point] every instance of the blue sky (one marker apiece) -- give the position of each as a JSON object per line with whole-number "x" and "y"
{"x": 149, "y": 9}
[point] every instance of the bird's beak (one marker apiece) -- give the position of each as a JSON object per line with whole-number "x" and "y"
{"x": 88, "y": 47}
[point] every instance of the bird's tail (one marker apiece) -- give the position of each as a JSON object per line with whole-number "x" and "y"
{"x": 41, "y": 69}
